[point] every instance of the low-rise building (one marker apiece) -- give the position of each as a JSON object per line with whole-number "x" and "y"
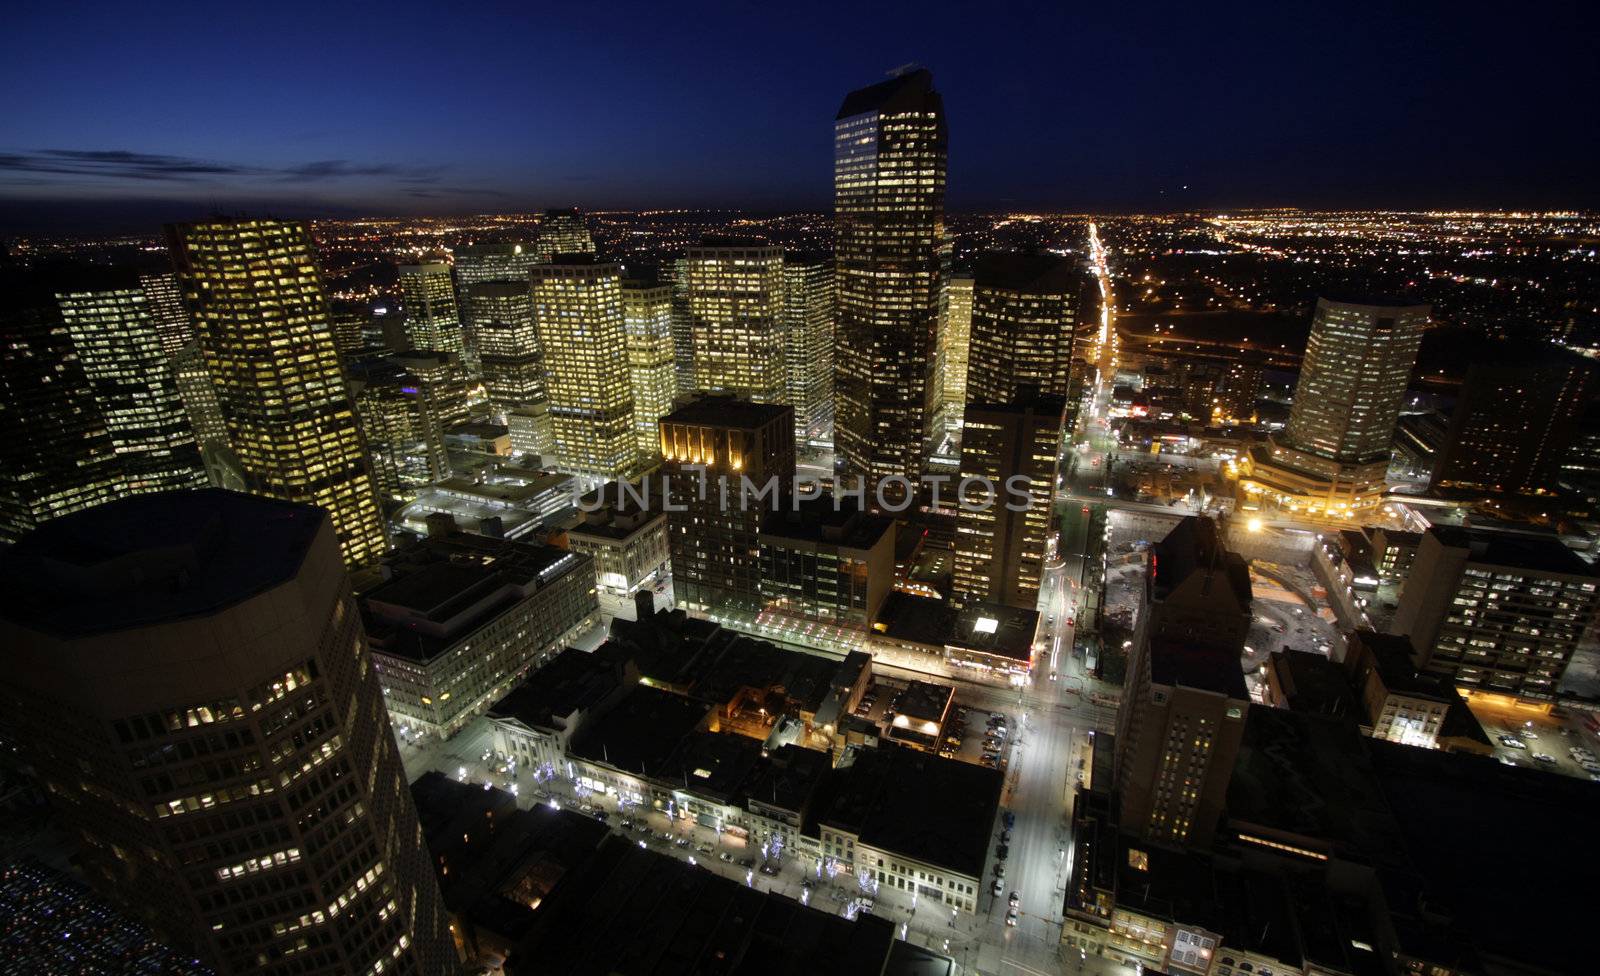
{"x": 626, "y": 539}
{"x": 990, "y": 638}
{"x": 460, "y": 619}
{"x": 502, "y": 501}
{"x": 1402, "y": 705}
{"x": 828, "y": 563}
{"x": 534, "y": 724}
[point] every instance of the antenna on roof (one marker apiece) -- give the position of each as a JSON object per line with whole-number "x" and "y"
{"x": 902, "y": 70}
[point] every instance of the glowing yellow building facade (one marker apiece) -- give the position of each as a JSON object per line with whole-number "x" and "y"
{"x": 735, "y": 298}
{"x": 652, "y": 371}
{"x": 577, "y": 305}
{"x": 256, "y": 295}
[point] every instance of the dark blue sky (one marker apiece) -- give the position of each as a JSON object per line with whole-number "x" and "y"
{"x": 447, "y": 108}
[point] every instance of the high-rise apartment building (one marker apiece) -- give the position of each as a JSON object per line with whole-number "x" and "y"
{"x": 709, "y": 448}
{"x": 890, "y": 252}
{"x": 810, "y": 307}
{"x": 128, "y": 368}
{"x": 1515, "y": 419}
{"x": 56, "y": 455}
{"x": 1000, "y": 552}
{"x": 956, "y": 337}
{"x": 1184, "y": 700}
{"x": 652, "y": 370}
{"x": 563, "y": 232}
{"x": 736, "y": 310}
{"x": 433, "y": 319}
{"x": 255, "y": 291}
{"x": 1024, "y": 316}
{"x": 577, "y": 305}
{"x": 188, "y": 677}
{"x": 1499, "y": 612}
{"x": 1333, "y": 456}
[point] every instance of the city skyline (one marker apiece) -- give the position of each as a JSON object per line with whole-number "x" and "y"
{"x": 1155, "y": 111}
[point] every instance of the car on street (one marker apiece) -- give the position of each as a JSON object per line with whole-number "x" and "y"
{"x": 997, "y": 888}
{"x": 747, "y": 862}
{"x": 1014, "y": 900}
{"x": 999, "y": 870}
{"x": 1548, "y": 760}
{"x": 769, "y": 868}
{"x": 1011, "y": 917}
{"x": 725, "y": 856}
{"x": 1002, "y": 852}
{"x": 1009, "y": 819}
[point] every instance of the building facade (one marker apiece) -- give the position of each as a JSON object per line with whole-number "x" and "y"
{"x": 891, "y": 252}
{"x": 563, "y": 232}
{"x": 1024, "y": 316}
{"x": 735, "y": 295}
{"x": 510, "y": 358}
{"x": 256, "y": 294}
{"x": 626, "y": 536}
{"x": 956, "y": 337}
{"x": 462, "y": 618}
{"x": 433, "y": 319}
{"x": 809, "y": 306}
{"x": 212, "y": 730}
{"x": 1000, "y": 552}
{"x": 832, "y": 564}
{"x": 652, "y": 369}
{"x": 577, "y": 304}
{"x": 1335, "y": 451}
{"x": 709, "y": 448}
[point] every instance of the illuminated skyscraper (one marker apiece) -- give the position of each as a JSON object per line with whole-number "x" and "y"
{"x": 735, "y": 295}
{"x": 501, "y": 313}
{"x": 1024, "y": 313}
{"x": 477, "y": 263}
{"x": 889, "y": 181}
{"x": 707, "y": 447}
{"x": 256, "y": 295}
{"x": 577, "y": 305}
{"x": 190, "y": 682}
{"x": 1000, "y": 552}
{"x": 809, "y": 310}
{"x": 130, "y": 373}
{"x": 682, "y": 326}
{"x": 164, "y": 299}
{"x": 955, "y": 337}
{"x": 433, "y": 320}
{"x": 647, "y": 313}
{"x": 1514, "y": 420}
{"x": 563, "y": 232}
{"x": 1335, "y": 452}
{"x": 56, "y": 455}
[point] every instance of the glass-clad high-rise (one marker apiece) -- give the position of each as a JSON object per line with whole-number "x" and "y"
{"x": 889, "y": 183}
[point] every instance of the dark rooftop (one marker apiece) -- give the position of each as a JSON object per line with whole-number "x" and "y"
{"x": 1035, "y": 274}
{"x": 1312, "y": 683}
{"x": 640, "y": 732}
{"x": 940, "y": 811}
{"x": 1178, "y": 664}
{"x": 572, "y": 681}
{"x": 718, "y": 764}
{"x": 147, "y": 559}
{"x": 991, "y": 628}
{"x": 1517, "y": 550}
{"x": 820, "y": 520}
{"x": 1193, "y": 546}
{"x": 911, "y": 91}
{"x": 728, "y": 412}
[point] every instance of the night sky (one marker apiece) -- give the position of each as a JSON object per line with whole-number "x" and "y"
{"x": 139, "y": 112}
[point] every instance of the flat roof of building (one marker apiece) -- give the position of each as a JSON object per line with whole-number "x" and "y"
{"x": 640, "y": 732}
{"x": 571, "y": 681}
{"x": 147, "y": 559}
{"x": 727, "y": 412}
{"x": 714, "y": 664}
{"x": 1314, "y": 684}
{"x": 1178, "y": 664}
{"x": 820, "y": 520}
{"x": 928, "y": 808}
{"x": 1194, "y": 546}
{"x": 988, "y": 628}
{"x": 1538, "y": 553}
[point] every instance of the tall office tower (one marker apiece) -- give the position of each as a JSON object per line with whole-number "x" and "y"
{"x": 1334, "y": 454}
{"x": 1024, "y": 314}
{"x": 1000, "y": 553}
{"x": 1515, "y": 419}
{"x": 507, "y": 337}
{"x": 889, "y": 248}
{"x": 164, "y": 299}
{"x": 652, "y": 371}
{"x": 682, "y": 326}
{"x": 56, "y": 456}
{"x": 126, "y": 364}
{"x": 350, "y": 323}
{"x": 407, "y": 403}
{"x": 477, "y": 263}
{"x": 1497, "y": 612}
{"x": 190, "y": 681}
{"x": 563, "y": 232}
{"x": 809, "y": 310}
{"x": 1184, "y": 699}
{"x": 577, "y": 304}
{"x": 735, "y": 293}
{"x": 957, "y": 336}
{"x": 433, "y": 320}
{"x": 707, "y": 448}
{"x": 256, "y": 294}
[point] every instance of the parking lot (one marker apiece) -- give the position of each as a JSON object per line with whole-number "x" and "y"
{"x": 1539, "y": 741}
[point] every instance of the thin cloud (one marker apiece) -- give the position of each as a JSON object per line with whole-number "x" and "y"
{"x": 78, "y": 165}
